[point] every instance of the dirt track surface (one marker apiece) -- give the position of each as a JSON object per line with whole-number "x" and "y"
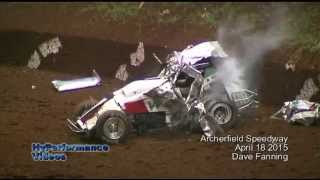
{"x": 38, "y": 115}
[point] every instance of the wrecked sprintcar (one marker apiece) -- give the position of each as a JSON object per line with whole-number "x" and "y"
{"x": 184, "y": 94}
{"x": 299, "y": 112}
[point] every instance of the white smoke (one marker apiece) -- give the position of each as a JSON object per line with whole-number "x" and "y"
{"x": 247, "y": 45}
{"x": 231, "y": 74}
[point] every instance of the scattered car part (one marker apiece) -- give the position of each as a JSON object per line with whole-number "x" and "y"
{"x": 290, "y": 65}
{"x": 50, "y": 47}
{"x": 308, "y": 90}
{"x": 156, "y": 57}
{"x": 122, "y": 73}
{"x": 65, "y": 85}
{"x": 137, "y": 57}
{"x": 298, "y": 111}
{"x": 34, "y": 61}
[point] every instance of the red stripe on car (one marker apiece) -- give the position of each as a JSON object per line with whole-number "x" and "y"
{"x": 136, "y": 107}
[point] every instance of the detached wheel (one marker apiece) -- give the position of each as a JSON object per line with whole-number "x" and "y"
{"x": 223, "y": 114}
{"x": 113, "y": 127}
{"x": 80, "y": 110}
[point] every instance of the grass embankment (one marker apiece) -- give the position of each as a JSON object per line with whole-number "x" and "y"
{"x": 301, "y": 18}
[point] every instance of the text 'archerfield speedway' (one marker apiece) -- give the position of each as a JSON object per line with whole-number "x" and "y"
{"x": 248, "y": 147}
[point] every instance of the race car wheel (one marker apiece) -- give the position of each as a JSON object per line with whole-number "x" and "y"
{"x": 223, "y": 114}
{"x": 219, "y": 105}
{"x": 80, "y": 110}
{"x": 113, "y": 127}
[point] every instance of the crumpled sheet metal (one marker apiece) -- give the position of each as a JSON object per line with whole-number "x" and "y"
{"x": 122, "y": 73}
{"x": 137, "y": 57}
{"x": 308, "y": 90}
{"x": 299, "y": 111}
{"x": 65, "y": 85}
{"x": 34, "y": 61}
{"x": 193, "y": 54}
{"x": 51, "y": 46}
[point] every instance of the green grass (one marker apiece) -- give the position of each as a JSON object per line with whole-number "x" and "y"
{"x": 115, "y": 11}
{"x": 305, "y": 26}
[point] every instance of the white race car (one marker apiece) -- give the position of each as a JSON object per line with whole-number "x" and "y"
{"x": 185, "y": 93}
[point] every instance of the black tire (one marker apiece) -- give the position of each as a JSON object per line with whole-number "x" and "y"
{"x": 223, "y": 113}
{"x": 217, "y": 96}
{"x": 80, "y": 110}
{"x": 108, "y": 117}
